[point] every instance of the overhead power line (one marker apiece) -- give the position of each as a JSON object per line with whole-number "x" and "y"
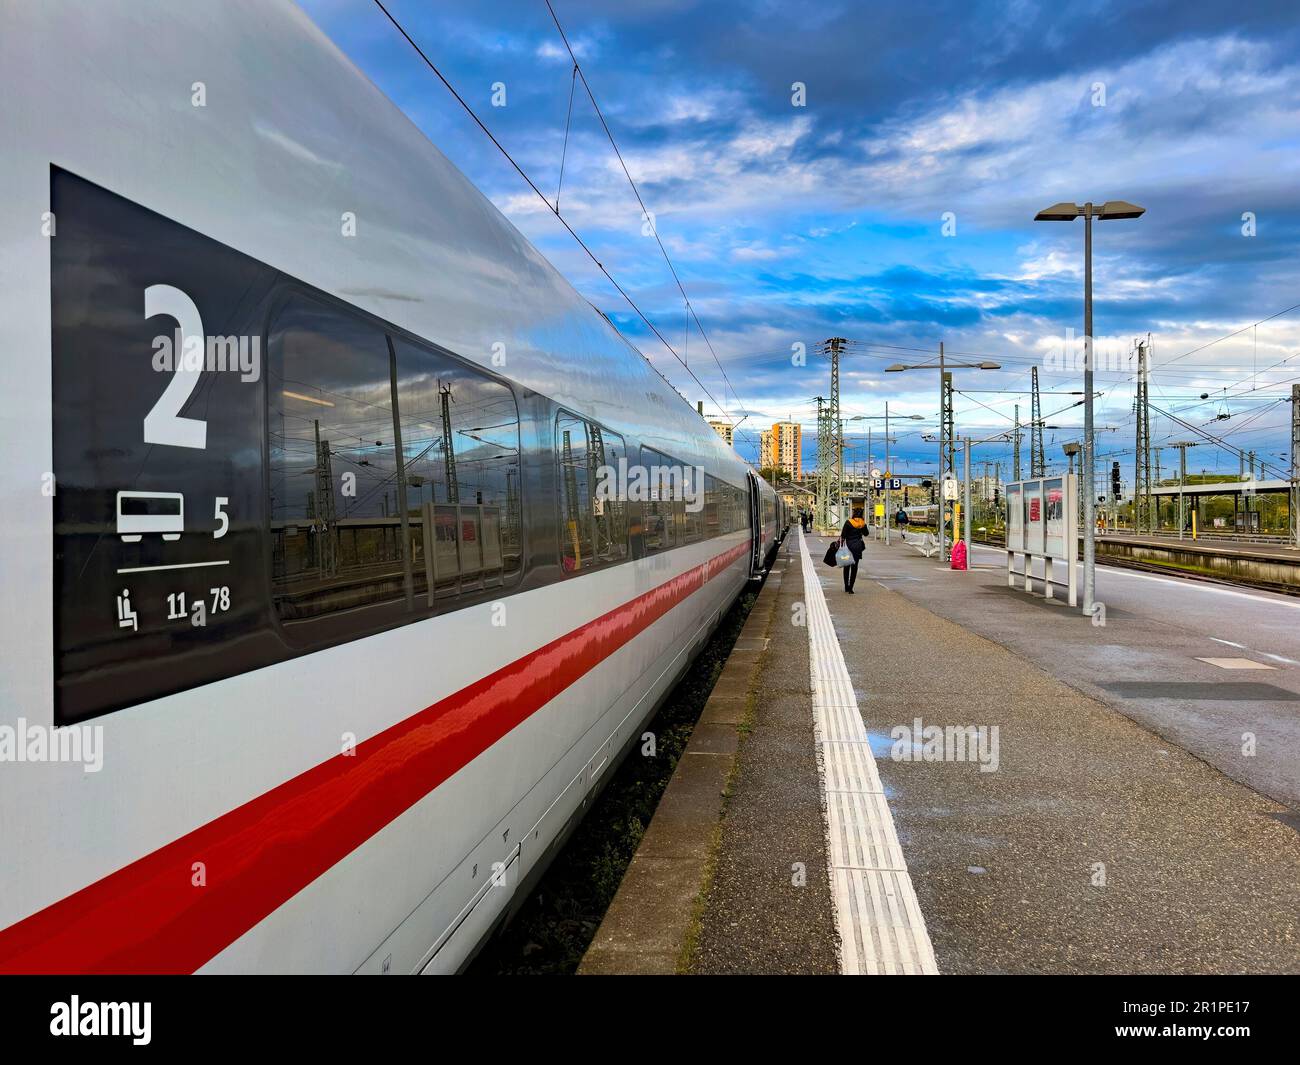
{"x": 645, "y": 211}
{"x": 549, "y": 206}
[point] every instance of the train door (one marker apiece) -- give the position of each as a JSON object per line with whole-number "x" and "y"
{"x": 755, "y": 528}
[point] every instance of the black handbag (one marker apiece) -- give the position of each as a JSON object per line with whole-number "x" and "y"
{"x": 830, "y": 553}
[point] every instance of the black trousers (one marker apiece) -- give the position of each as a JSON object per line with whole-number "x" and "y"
{"x": 850, "y": 574}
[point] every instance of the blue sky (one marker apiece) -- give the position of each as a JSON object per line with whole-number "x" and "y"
{"x": 788, "y": 224}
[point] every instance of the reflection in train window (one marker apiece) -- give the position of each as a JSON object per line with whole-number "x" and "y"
{"x": 460, "y": 448}
{"x": 657, "y": 512}
{"x": 356, "y": 522}
{"x": 593, "y": 503}
{"x": 575, "y": 492}
{"x": 335, "y": 526}
{"x": 609, "y": 511}
{"x": 690, "y": 519}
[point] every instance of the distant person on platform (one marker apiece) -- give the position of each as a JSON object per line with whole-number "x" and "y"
{"x": 900, "y": 519}
{"x": 852, "y": 537}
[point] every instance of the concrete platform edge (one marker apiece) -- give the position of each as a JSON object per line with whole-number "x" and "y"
{"x": 652, "y": 925}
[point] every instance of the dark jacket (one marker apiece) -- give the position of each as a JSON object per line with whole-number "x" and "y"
{"x": 852, "y": 535}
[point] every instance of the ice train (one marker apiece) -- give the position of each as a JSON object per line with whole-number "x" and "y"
{"x": 302, "y": 531}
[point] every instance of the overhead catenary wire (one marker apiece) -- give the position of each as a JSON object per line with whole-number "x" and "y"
{"x": 645, "y": 211}
{"x": 568, "y": 123}
{"x": 542, "y": 196}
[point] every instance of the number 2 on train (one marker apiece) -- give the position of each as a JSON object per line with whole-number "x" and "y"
{"x": 164, "y": 424}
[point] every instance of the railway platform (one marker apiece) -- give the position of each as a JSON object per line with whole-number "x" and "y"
{"x": 941, "y": 774}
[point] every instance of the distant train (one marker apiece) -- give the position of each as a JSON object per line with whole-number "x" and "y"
{"x": 922, "y": 514}
{"x": 355, "y": 628}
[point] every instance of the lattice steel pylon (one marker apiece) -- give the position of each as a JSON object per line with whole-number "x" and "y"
{"x": 448, "y": 444}
{"x": 1037, "y": 456}
{"x": 1294, "y": 509}
{"x": 324, "y": 517}
{"x": 949, "y": 427}
{"x": 830, "y": 465}
{"x": 1142, "y": 497}
{"x": 825, "y": 454}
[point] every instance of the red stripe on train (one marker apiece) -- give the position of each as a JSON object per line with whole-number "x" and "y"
{"x": 148, "y": 918}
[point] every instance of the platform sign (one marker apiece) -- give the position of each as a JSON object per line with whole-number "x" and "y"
{"x": 950, "y": 489}
{"x": 227, "y": 489}
{"x": 158, "y": 430}
{"x": 1054, "y": 517}
{"x": 1041, "y": 523}
{"x": 1015, "y": 518}
{"x": 1035, "y": 530}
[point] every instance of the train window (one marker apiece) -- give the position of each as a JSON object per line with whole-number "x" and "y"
{"x": 731, "y": 506}
{"x": 575, "y": 493}
{"x": 691, "y": 520}
{"x": 609, "y": 511}
{"x": 657, "y": 517}
{"x": 712, "y": 507}
{"x": 335, "y": 521}
{"x": 460, "y": 459}
{"x": 593, "y": 514}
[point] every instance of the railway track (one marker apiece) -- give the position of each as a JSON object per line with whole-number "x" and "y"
{"x": 1174, "y": 571}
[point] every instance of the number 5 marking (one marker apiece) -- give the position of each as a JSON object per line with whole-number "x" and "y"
{"x": 222, "y": 517}
{"x": 163, "y": 424}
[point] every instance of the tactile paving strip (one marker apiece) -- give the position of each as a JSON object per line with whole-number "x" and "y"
{"x": 878, "y": 919}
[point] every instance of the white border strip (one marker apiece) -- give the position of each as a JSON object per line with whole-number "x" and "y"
{"x": 878, "y": 919}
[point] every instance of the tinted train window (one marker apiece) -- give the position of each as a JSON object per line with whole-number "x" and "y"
{"x": 690, "y": 519}
{"x": 335, "y": 524}
{"x": 657, "y": 517}
{"x": 739, "y": 509}
{"x": 575, "y": 492}
{"x": 460, "y": 447}
{"x": 593, "y": 506}
{"x": 609, "y": 511}
{"x": 712, "y": 507}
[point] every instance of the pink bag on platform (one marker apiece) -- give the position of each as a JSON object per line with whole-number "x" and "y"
{"x": 959, "y": 555}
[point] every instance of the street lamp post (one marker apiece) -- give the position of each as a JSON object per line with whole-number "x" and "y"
{"x": 888, "y": 474}
{"x": 942, "y": 526}
{"x": 1068, "y": 212}
{"x": 943, "y": 366}
{"x": 970, "y": 550}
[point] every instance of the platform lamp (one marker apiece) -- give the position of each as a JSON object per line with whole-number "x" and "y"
{"x": 1068, "y": 212}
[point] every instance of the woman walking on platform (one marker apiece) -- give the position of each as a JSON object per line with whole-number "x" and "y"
{"x": 852, "y": 537}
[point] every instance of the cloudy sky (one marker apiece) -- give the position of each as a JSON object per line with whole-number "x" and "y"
{"x": 891, "y": 200}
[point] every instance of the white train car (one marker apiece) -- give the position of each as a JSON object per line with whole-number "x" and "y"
{"x": 319, "y": 631}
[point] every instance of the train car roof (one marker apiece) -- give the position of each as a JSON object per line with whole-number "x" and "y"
{"x": 293, "y": 135}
